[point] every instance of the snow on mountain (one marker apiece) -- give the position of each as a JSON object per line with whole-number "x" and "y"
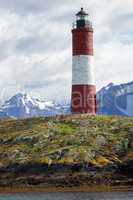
{"x": 111, "y": 100}
{"x": 22, "y": 105}
{"x": 116, "y": 99}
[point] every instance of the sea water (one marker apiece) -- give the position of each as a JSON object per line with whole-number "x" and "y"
{"x": 68, "y": 196}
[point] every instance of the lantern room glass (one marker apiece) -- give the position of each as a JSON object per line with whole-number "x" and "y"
{"x": 82, "y": 17}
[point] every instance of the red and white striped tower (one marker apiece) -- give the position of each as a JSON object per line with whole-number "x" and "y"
{"x": 83, "y": 98}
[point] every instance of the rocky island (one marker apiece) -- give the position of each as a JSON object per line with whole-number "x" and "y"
{"x": 66, "y": 153}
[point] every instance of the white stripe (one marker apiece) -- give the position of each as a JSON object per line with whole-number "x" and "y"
{"x": 82, "y": 70}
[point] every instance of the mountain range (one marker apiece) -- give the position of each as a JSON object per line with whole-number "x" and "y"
{"x": 22, "y": 106}
{"x": 111, "y": 100}
{"x": 116, "y": 99}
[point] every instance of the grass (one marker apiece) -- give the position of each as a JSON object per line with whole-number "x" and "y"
{"x": 84, "y": 138}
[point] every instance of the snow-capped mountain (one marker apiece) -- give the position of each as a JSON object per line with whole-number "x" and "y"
{"x": 22, "y": 105}
{"x": 111, "y": 100}
{"x": 116, "y": 99}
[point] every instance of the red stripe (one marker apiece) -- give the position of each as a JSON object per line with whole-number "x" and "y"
{"x": 82, "y": 41}
{"x": 83, "y": 99}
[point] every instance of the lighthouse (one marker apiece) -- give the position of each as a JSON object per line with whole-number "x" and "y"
{"x": 83, "y": 97}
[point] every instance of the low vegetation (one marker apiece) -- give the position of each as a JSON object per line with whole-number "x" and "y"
{"x": 93, "y": 142}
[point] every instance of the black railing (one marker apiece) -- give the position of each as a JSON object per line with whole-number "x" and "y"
{"x": 87, "y": 24}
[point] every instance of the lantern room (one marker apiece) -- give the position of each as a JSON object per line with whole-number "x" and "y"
{"x": 82, "y": 19}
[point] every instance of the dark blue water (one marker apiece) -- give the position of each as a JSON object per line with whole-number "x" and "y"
{"x": 68, "y": 196}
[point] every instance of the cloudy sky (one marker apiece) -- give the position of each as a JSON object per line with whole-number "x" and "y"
{"x": 35, "y": 45}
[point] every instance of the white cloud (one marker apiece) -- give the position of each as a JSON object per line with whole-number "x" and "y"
{"x": 35, "y": 43}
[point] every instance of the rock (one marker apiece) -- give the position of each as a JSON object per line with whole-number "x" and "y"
{"x": 101, "y": 141}
{"x": 122, "y": 147}
{"x": 28, "y": 139}
{"x": 83, "y": 123}
{"x": 111, "y": 167}
{"x": 70, "y": 140}
{"x": 8, "y": 141}
{"x": 90, "y": 155}
{"x": 58, "y": 154}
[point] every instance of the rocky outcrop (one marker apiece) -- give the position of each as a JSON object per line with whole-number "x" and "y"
{"x": 66, "y": 151}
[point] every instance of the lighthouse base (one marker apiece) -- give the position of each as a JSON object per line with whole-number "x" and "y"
{"x": 83, "y": 99}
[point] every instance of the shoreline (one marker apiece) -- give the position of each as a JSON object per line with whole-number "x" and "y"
{"x": 98, "y": 188}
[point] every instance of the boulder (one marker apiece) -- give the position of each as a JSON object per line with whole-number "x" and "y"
{"x": 27, "y": 139}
